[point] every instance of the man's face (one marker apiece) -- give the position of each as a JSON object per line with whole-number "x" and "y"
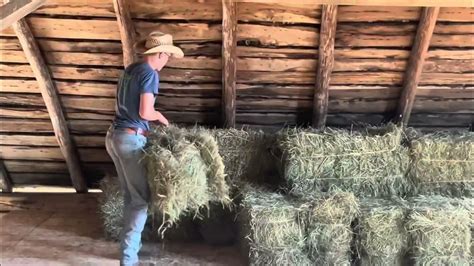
{"x": 160, "y": 60}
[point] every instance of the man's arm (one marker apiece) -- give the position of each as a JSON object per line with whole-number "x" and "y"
{"x": 147, "y": 109}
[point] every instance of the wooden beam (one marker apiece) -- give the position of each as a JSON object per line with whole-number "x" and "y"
{"x": 5, "y": 181}
{"x": 325, "y": 64}
{"x": 229, "y": 61}
{"x": 424, "y": 3}
{"x": 415, "y": 63}
{"x": 17, "y": 9}
{"x": 127, "y": 31}
{"x": 52, "y": 102}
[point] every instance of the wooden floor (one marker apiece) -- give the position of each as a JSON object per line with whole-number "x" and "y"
{"x": 65, "y": 229}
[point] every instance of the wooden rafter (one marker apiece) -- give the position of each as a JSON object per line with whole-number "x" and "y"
{"x": 229, "y": 62}
{"x": 325, "y": 64}
{"x": 51, "y": 100}
{"x": 127, "y": 31}
{"x": 17, "y": 9}
{"x": 414, "y": 68}
{"x": 5, "y": 181}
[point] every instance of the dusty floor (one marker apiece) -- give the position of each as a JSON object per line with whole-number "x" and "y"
{"x": 64, "y": 229}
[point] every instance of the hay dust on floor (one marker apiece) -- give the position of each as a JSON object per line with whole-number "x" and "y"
{"x": 64, "y": 229}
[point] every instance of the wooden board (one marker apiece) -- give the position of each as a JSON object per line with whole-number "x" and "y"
{"x": 109, "y": 74}
{"x": 106, "y": 47}
{"x": 278, "y": 120}
{"x": 63, "y": 87}
{"x": 44, "y": 126}
{"x": 51, "y": 153}
{"x": 281, "y": 12}
{"x": 23, "y": 166}
{"x": 354, "y": 105}
{"x": 433, "y": 64}
{"x": 166, "y": 9}
{"x": 108, "y": 90}
{"x": 366, "y": 92}
{"x": 106, "y": 29}
{"x": 50, "y": 140}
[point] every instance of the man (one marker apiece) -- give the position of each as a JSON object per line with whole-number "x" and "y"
{"x": 136, "y": 92}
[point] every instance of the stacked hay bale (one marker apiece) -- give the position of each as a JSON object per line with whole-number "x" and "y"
{"x": 382, "y": 237}
{"x": 369, "y": 162}
{"x": 271, "y": 229}
{"x": 440, "y": 230}
{"x": 246, "y": 154}
{"x": 185, "y": 173}
{"x": 443, "y": 163}
{"x": 328, "y": 228}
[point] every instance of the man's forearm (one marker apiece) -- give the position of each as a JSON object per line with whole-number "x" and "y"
{"x": 157, "y": 116}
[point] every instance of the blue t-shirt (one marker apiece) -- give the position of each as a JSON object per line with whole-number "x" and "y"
{"x": 137, "y": 78}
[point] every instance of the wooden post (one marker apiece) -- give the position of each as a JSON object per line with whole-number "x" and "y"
{"x": 325, "y": 64}
{"x": 127, "y": 31}
{"x": 15, "y": 10}
{"x": 51, "y": 100}
{"x": 229, "y": 61}
{"x": 5, "y": 181}
{"x": 415, "y": 63}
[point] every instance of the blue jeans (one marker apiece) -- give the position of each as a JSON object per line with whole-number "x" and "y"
{"x": 126, "y": 151}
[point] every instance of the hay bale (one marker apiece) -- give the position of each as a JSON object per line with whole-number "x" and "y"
{"x": 329, "y": 233}
{"x": 382, "y": 237}
{"x": 440, "y": 230}
{"x": 246, "y": 154}
{"x": 270, "y": 229}
{"x": 185, "y": 172}
{"x": 370, "y": 162}
{"x": 443, "y": 163}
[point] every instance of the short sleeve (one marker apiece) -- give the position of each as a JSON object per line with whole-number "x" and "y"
{"x": 149, "y": 83}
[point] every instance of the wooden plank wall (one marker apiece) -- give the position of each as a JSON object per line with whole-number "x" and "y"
{"x": 276, "y": 70}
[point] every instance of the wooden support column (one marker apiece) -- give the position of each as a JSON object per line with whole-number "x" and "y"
{"x": 229, "y": 62}
{"x": 17, "y": 9}
{"x": 5, "y": 181}
{"x": 415, "y": 63}
{"x": 325, "y": 64}
{"x": 51, "y": 100}
{"x": 127, "y": 31}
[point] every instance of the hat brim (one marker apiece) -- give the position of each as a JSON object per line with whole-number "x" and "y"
{"x": 175, "y": 51}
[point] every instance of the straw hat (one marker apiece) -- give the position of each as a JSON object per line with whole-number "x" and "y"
{"x": 158, "y": 42}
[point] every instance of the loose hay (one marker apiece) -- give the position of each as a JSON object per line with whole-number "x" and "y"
{"x": 271, "y": 229}
{"x": 382, "y": 237}
{"x": 440, "y": 230}
{"x": 443, "y": 163}
{"x": 368, "y": 163}
{"x": 185, "y": 172}
{"x": 111, "y": 206}
{"x": 329, "y": 228}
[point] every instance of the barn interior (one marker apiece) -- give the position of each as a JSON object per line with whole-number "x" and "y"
{"x": 254, "y": 64}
